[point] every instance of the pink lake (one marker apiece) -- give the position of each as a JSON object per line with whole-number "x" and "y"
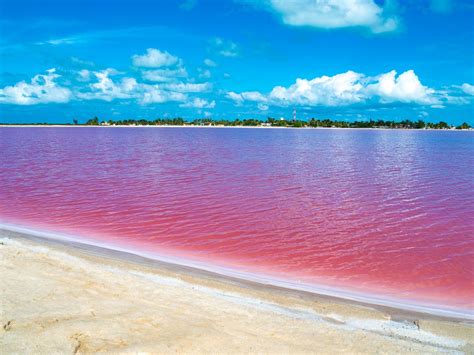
{"x": 377, "y": 212}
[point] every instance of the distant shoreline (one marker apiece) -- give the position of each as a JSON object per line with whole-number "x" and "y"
{"x": 217, "y": 126}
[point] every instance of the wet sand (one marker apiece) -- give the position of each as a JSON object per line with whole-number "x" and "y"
{"x": 66, "y": 297}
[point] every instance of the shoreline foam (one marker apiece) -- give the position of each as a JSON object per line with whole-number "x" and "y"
{"x": 60, "y": 297}
{"x": 101, "y": 248}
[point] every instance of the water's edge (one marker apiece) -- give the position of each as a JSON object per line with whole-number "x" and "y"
{"x": 105, "y": 249}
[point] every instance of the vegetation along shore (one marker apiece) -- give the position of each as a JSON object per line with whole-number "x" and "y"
{"x": 270, "y": 122}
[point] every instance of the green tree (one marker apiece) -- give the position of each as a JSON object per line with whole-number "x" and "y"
{"x": 465, "y": 125}
{"x": 93, "y": 122}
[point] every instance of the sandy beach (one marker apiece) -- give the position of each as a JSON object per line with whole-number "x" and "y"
{"x": 58, "y": 297}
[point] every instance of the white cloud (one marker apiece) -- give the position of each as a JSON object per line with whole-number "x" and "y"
{"x": 40, "y": 90}
{"x": 199, "y": 103}
{"x": 79, "y": 61}
{"x": 106, "y": 89}
{"x": 341, "y": 89}
{"x": 60, "y": 41}
{"x": 246, "y": 96}
{"x": 263, "y": 107}
{"x": 225, "y": 48}
{"x": 154, "y": 94}
{"x": 406, "y": 88}
{"x": 188, "y": 87}
{"x": 334, "y": 14}
{"x": 109, "y": 84}
{"x": 84, "y": 75}
{"x": 346, "y": 89}
{"x": 468, "y": 88}
{"x": 163, "y": 75}
{"x": 154, "y": 58}
{"x": 209, "y": 62}
{"x": 235, "y": 97}
{"x": 253, "y": 96}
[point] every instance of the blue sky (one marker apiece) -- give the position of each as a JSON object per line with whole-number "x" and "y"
{"x": 338, "y": 59}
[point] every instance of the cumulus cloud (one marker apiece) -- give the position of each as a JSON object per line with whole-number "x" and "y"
{"x": 468, "y": 88}
{"x": 154, "y": 94}
{"x": 188, "y": 87}
{"x": 162, "y": 75}
{"x": 406, "y": 88}
{"x": 199, "y": 103}
{"x": 246, "y": 96}
{"x": 154, "y": 58}
{"x": 346, "y": 89}
{"x": 109, "y": 84}
{"x": 235, "y": 97}
{"x": 40, "y": 90}
{"x": 331, "y": 14}
{"x": 165, "y": 79}
{"x": 105, "y": 88}
{"x": 84, "y": 75}
{"x": 170, "y": 68}
{"x": 341, "y": 89}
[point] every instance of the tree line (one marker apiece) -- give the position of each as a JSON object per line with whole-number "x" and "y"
{"x": 273, "y": 122}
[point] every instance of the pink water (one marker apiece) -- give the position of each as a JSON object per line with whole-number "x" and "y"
{"x": 386, "y": 213}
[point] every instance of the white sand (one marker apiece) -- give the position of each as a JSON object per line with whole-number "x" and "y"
{"x": 56, "y": 298}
